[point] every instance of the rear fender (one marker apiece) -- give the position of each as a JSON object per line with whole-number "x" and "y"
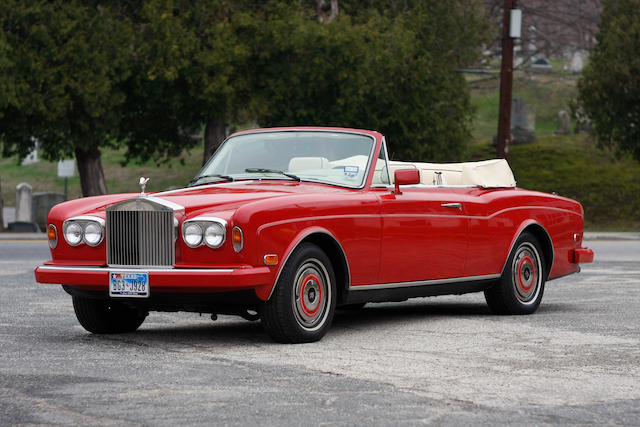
{"x": 543, "y": 237}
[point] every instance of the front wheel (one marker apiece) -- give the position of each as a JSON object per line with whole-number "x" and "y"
{"x": 107, "y": 317}
{"x": 303, "y": 303}
{"x": 520, "y": 288}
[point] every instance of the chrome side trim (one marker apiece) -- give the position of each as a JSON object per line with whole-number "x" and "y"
{"x": 423, "y": 283}
{"x": 135, "y": 270}
{"x": 429, "y": 186}
{"x": 344, "y": 255}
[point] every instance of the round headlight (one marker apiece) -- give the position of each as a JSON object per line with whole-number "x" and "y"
{"x": 73, "y": 233}
{"x": 92, "y": 233}
{"x": 193, "y": 235}
{"x": 214, "y": 235}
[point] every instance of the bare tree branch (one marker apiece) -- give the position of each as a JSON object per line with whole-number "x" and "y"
{"x": 554, "y": 27}
{"x": 326, "y": 12}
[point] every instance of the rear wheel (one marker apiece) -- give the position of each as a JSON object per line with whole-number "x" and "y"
{"x": 303, "y": 303}
{"x": 521, "y": 286}
{"x": 107, "y": 317}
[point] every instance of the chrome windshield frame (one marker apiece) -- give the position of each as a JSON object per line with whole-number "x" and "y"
{"x": 344, "y": 131}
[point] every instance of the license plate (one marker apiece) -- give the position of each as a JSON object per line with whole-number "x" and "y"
{"x": 128, "y": 284}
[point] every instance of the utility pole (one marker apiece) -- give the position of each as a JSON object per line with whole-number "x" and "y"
{"x": 506, "y": 77}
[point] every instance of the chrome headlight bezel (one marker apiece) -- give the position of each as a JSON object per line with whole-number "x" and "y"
{"x": 206, "y": 224}
{"x": 97, "y": 225}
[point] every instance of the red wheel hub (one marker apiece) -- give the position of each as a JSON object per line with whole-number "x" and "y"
{"x": 526, "y": 273}
{"x": 311, "y": 295}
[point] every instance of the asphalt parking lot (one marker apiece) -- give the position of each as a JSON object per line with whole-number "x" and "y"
{"x": 442, "y": 360}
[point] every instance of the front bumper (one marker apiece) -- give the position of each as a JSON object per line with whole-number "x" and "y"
{"x": 164, "y": 280}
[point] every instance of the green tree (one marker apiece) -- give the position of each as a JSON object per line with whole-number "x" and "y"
{"x": 61, "y": 66}
{"x": 375, "y": 66}
{"x": 188, "y": 71}
{"x": 609, "y": 90}
{"x": 80, "y": 76}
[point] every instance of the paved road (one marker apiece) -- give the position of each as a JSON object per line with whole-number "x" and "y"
{"x": 442, "y": 360}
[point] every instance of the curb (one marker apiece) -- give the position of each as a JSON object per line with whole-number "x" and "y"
{"x": 22, "y": 236}
{"x": 617, "y": 236}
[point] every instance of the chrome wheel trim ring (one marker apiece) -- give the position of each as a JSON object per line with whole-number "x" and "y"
{"x": 311, "y": 295}
{"x": 526, "y": 273}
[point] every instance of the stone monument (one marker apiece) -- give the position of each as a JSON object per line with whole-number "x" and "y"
{"x": 23, "y": 202}
{"x": 522, "y": 123}
{"x": 24, "y": 212}
{"x": 583, "y": 121}
{"x": 577, "y": 63}
{"x": 564, "y": 123}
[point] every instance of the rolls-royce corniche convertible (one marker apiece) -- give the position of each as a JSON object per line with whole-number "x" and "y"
{"x": 287, "y": 224}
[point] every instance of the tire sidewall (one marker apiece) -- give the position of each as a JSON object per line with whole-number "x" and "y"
{"x": 508, "y": 284}
{"x": 306, "y": 252}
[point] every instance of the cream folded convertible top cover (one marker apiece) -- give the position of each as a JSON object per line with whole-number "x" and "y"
{"x": 488, "y": 174}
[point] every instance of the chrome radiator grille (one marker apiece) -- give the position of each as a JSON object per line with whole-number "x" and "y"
{"x": 140, "y": 238}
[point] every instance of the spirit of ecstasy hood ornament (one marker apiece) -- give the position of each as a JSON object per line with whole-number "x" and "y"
{"x": 143, "y": 185}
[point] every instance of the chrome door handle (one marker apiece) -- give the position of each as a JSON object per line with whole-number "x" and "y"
{"x": 452, "y": 205}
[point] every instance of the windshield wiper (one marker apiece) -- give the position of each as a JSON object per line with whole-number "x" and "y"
{"x": 261, "y": 170}
{"x": 215, "y": 175}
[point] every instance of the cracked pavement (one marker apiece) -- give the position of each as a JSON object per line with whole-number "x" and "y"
{"x": 443, "y": 360}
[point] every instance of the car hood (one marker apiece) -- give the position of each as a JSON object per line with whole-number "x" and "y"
{"x": 206, "y": 198}
{"x": 230, "y": 196}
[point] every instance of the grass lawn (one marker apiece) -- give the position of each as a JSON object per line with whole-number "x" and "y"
{"x": 42, "y": 176}
{"x": 544, "y": 94}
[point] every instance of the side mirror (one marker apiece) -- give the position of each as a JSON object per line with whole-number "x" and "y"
{"x": 405, "y": 177}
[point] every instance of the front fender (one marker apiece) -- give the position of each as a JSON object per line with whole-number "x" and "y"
{"x": 284, "y": 253}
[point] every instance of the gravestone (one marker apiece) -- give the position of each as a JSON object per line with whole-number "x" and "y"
{"x": 518, "y": 114}
{"x": 31, "y": 158}
{"x": 577, "y": 63}
{"x": 583, "y": 121}
{"x": 564, "y": 123}
{"x": 24, "y": 213}
{"x": 522, "y": 123}
{"x": 42, "y": 204}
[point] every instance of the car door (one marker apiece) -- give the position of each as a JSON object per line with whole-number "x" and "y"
{"x": 424, "y": 234}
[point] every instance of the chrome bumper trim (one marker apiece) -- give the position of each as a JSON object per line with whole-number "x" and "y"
{"x": 134, "y": 270}
{"x": 423, "y": 283}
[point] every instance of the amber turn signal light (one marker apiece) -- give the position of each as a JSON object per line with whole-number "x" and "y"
{"x": 237, "y": 238}
{"x": 271, "y": 259}
{"x": 52, "y": 235}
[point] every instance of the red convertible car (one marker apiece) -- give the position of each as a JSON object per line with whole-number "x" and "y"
{"x": 287, "y": 224}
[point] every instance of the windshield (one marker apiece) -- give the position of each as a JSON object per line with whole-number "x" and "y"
{"x": 338, "y": 158}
